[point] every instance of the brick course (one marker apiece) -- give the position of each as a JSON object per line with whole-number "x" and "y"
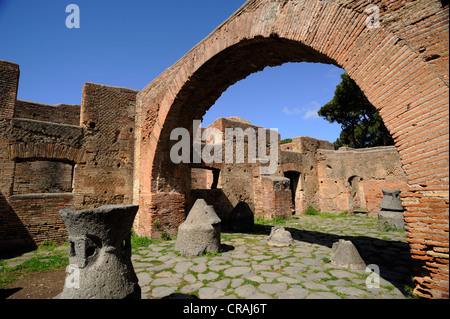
{"x": 60, "y": 114}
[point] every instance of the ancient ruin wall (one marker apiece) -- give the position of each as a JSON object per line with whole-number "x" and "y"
{"x": 59, "y": 114}
{"x": 9, "y": 82}
{"x": 31, "y": 194}
{"x": 107, "y": 119}
{"x": 243, "y": 182}
{"x": 310, "y": 173}
{"x": 56, "y": 156}
{"x": 308, "y": 190}
{"x": 352, "y": 179}
{"x": 402, "y": 66}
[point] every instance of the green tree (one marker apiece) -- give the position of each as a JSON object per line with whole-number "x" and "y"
{"x": 361, "y": 124}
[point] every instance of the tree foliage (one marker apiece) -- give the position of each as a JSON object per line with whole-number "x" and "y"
{"x": 361, "y": 124}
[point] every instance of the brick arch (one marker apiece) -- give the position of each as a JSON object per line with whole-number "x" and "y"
{"x": 46, "y": 151}
{"x": 402, "y": 67}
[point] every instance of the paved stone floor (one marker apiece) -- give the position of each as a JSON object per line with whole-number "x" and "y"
{"x": 248, "y": 268}
{"x": 251, "y": 269}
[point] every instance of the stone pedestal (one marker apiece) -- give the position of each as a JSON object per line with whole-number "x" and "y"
{"x": 391, "y": 200}
{"x": 391, "y": 214}
{"x": 390, "y": 220}
{"x": 100, "y": 253}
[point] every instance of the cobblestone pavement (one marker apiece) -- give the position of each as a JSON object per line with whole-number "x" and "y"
{"x": 248, "y": 268}
{"x": 251, "y": 269}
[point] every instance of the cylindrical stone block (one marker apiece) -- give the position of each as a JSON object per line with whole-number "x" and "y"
{"x": 100, "y": 253}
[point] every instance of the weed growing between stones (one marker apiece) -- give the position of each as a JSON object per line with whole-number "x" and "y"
{"x": 302, "y": 270}
{"x": 141, "y": 241}
{"x": 41, "y": 261}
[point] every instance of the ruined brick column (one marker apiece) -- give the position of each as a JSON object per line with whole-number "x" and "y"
{"x": 100, "y": 253}
{"x": 9, "y": 82}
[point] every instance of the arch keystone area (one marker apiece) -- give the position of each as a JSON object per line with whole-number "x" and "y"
{"x": 401, "y": 65}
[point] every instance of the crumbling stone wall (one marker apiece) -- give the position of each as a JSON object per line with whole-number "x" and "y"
{"x": 59, "y": 114}
{"x": 34, "y": 218}
{"x": 267, "y": 196}
{"x": 57, "y": 156}
{"x": 9, "y": 82}
{"x": 37, "y": 176}
{"x": 107, "y": 119}
{"x": 306, "y": 147}
{"x": 352, "y": 179}
{"x": 274, "y": 199}
{"x": 201, "y": 178}
{"x": 310, "y": 173}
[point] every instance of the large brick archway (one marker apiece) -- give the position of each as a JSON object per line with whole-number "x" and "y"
{"x": 402, "y": 66}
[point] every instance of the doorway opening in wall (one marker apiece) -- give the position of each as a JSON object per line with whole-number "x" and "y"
{"x": 294, "y": 181}
{"x": 357, "y": 197}
{"x": 204, "y": 178}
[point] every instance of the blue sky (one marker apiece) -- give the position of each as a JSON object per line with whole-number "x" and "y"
{"x": 129, "y": 43}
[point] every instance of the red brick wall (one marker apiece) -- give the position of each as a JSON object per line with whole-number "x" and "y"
{"x": 201, "y": 178}
{"x": 61, "y": 113}
{"x": 160, "y": 213}
{"x": 42, "y": 177}
{"x": 427, "y": 219}
{"x": 353, "y": 178}
{"x": 40, "y": 214}
{"x": 42, "y": 149}
{"x": 29, "y": 152}
{"x": 374, "y": 194}
{"x": 28, "y": 219}
{"x": 9, "y": 81}
{"x": 274, "y": 197}
{"x": 106, "y": 174}
{"x": 6, "y": 171}
{"x": 32, "y": 219}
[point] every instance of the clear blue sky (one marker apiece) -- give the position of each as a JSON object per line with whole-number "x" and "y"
{"x": 129, "y": 43}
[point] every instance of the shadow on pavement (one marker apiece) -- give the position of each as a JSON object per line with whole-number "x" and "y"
{"x": 392, "y": 257}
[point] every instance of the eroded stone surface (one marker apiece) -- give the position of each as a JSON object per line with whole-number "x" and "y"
{"x": 100, "y": 254}
{"x": 200, "y": 233}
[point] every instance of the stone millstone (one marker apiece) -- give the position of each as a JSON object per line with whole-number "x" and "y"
{"x": 279, "y": 237}
{"x": 100, "y": 253}
{"x": 391, "y": 200}
{"x": 344, "y": 254}
{"x": 200, "y": 232}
